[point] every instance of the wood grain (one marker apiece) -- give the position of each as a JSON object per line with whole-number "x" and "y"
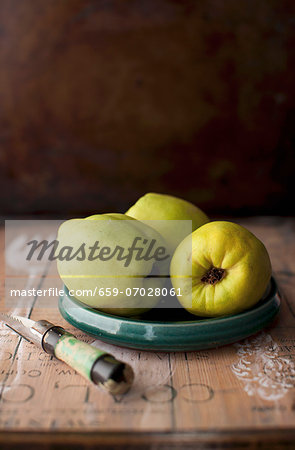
{"x": 179, "y": 400}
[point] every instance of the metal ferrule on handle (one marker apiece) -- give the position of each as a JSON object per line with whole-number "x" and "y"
{"x": 37, "y": 332}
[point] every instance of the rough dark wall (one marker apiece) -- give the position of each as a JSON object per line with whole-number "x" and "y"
{"x": 101, "y": 101}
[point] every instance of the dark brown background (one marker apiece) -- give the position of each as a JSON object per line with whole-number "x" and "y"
{"x": 101, "y": 101}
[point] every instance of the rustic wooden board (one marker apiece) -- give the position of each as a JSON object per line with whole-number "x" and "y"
{"x": 241, "y": 391}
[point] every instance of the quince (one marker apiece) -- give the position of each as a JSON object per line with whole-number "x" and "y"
{"x": 220, "y": 269}
{"x": 111, "y": 270}
{"x": 157, "y": 210}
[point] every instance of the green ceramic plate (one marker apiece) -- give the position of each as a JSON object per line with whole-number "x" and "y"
{"x": 171, "y": 329}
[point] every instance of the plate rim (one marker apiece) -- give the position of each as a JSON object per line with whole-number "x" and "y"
{"x": 273, "y": 291}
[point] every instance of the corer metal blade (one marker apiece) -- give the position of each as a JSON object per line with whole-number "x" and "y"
{"x": 29, "y": 329}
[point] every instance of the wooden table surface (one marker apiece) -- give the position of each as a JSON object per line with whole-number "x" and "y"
{"x": 237, "y": 396}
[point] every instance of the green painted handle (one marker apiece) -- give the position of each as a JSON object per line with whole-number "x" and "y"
{"x": 78, "y": 355}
